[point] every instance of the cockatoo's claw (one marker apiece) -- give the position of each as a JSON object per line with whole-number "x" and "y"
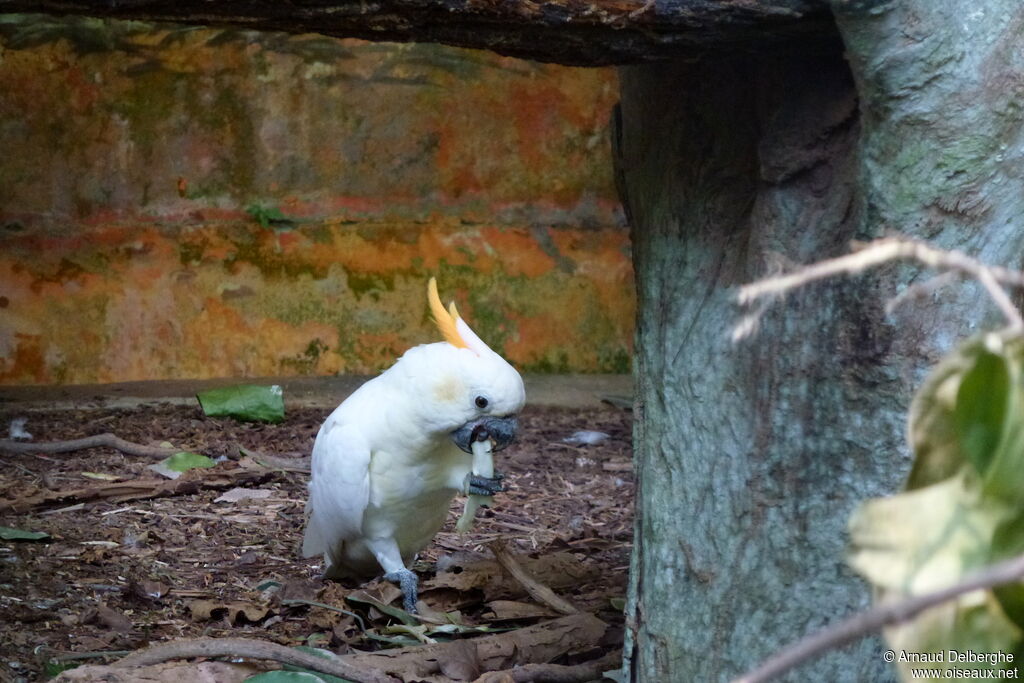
{"x": 409, "y": 584}
{"x": 485, "y": 486}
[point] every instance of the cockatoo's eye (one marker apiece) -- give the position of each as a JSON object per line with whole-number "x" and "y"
{"x": 481, "y": 402}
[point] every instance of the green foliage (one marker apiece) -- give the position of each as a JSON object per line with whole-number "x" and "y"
{"x": 318, "y": 652}
{"x": 246, "y": 402}
{"x": 185, "y": 461}
{"x": 269, "y": 216}
{"x": 286, "y": 677}
{"x": 961, "y": 509}
{"x": 9, "y": 534}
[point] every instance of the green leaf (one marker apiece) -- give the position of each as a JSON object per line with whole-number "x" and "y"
{"x": 319, "y": 652}
{"x": 185, "y": 461}
{"x": 53, "y": 668}
{"x": 268, "y": 216}
{"x": 400, "y": 641}
{"x": 933, "y": 438}
{"x": 247, "y": 402}
{"x": 1007, "y": 542}
{"x": 618, "y": 604}
{"x": 417, "y": 632}
{"x": 101, "y": 476}
{"x": 981, "y": 406}
{"x": 287, "y": 677}
{"x": 361, "y": 596}
{"x": 9, "y": 534}
{"x": 930, "y": 538}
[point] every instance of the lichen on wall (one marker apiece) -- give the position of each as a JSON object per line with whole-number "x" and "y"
{"x": 182, "y": 203}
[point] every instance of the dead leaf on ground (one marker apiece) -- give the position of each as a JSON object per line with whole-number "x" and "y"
{"x": 301, "y": 589}
{"x": 105, "y": 616}
{"x": 511, "y": 610}
{"x": 204, "y": 610}
{"x": 238, "y": 494}
{"x": 540, "y": 643}
{"x": 460, "y": 662}
{"x": 146, "y": 591}
{"x": 466, "y": 572}
{"x": 167, "y": 672}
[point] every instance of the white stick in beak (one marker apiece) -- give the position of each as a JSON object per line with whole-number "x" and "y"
{"x": 483, "y": 466}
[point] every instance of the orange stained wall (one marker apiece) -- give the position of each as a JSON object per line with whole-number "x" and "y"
{"x": 184, "y": 203}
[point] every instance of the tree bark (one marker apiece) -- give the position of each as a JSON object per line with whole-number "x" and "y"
{"x": 576, "y": 32}
{"x": 751, "y": 457}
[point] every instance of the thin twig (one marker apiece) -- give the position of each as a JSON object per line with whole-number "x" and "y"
{"x": 537, "y": 590}
{"x": 250, "y": 648}
{"x": 921, "y": 289}
{"x": 874, "y": 254}
{"x": 863, "y": 623}
{"x": 108, "y": 440}
{"x": 140, "y": 489}
{"x": 323, "y": 605}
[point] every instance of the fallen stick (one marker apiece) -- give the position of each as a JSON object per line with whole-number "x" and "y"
{"x": 276, "y": 462}
{"x": 537, "y": 644}
{"x": 250, "y": 648}
{"x": 108, "y": 440}
{"x": 537, "y": 590}
{"x": 555, "y": 673}
{"x": 192, "y": 481}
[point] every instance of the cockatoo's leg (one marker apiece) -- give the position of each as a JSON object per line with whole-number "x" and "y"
{"x": 485, "y": 486}
{"x": 390, "y": 559}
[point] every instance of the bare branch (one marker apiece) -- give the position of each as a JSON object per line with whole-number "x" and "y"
{"x": 555, "y": 673}
{"x": 877, "y": 253}
{"x": 920, "y": 290}
{"x": 250, "y": 648}
{"x": 141, "y": 489}
{"x": 108, "y": 440}
{"x": 863, "y": 623}
{"x": 537, "y": 590}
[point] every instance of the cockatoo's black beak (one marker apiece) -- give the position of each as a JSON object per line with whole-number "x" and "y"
{"x": 501, "y": 429}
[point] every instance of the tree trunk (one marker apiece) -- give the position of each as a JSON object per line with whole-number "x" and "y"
{"x": 751, "y": 456}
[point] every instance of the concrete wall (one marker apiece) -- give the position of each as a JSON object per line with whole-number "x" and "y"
{"x": 182, "y": 203}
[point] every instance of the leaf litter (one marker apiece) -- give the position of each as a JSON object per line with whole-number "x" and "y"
{"x": 115, "y": 576}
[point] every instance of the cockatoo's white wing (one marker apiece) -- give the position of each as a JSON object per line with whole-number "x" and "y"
{"x": 339, "y": 489}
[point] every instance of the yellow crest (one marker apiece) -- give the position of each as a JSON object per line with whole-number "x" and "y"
{"x": 444, "y": 319}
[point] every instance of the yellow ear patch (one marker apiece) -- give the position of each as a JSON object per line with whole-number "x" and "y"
{"x": 444, "y": 320}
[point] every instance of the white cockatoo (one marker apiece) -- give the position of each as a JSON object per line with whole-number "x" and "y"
{"x": 388, "y": 461}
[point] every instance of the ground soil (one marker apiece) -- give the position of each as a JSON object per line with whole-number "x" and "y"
{"x": 115, "y": 576}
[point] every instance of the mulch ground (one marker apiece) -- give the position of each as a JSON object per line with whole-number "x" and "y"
{"x": 115, "y": 576}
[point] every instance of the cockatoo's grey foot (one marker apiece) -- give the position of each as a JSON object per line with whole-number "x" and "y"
{"x": 409, "y": 584}
{"x": 485, "y": 486}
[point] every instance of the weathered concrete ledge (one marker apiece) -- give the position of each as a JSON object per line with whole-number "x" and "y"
{"x": 546, "y": 391}
{"x": 574, "y": 32}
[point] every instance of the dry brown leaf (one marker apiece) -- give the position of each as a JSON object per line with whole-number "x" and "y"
{"x": 510, "y": 610}
{"x": 204, "y": 610}
{"x": 239, "y": 494}
{"x": 467, "y": 572}
{"x": 168, "y": 672}
{"x": 539, "y": 643}
{"x": 105, "y": 616}
{"x": 460, "y": 662}
{"x": 146, "y": 591}
{"x": 301, "y": 589}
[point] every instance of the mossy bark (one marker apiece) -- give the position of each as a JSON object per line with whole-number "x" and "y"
{"x": 751, "y": 456}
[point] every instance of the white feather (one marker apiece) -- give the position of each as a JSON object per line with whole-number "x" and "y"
{"x": 384, "y": 467}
